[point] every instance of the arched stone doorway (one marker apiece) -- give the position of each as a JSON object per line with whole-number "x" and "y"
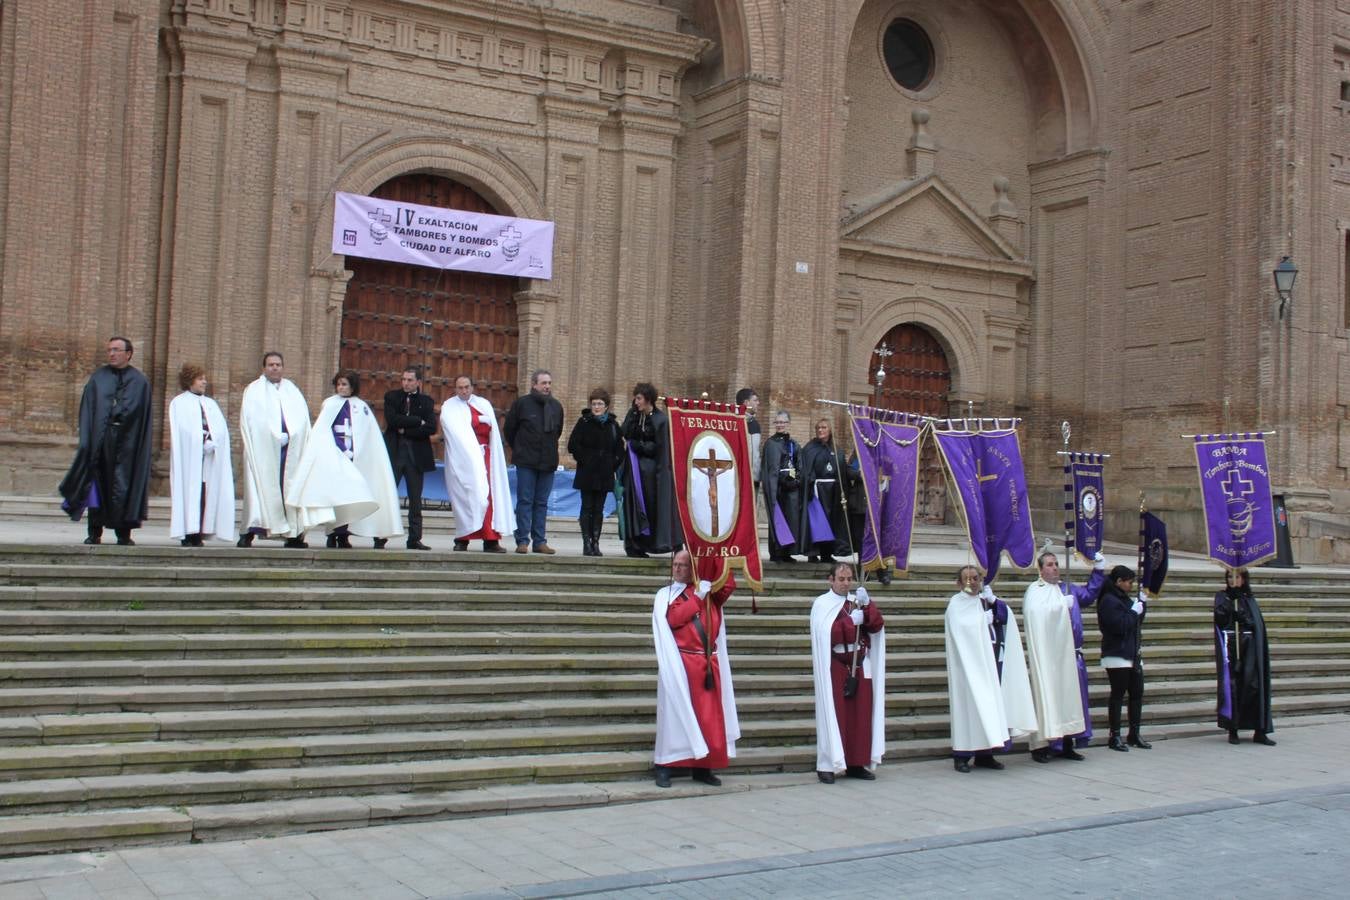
{"x": 918, "y": 380}
{"x": 448, "y": 322}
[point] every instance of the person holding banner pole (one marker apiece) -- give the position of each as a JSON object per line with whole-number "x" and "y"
{"x": 848, "y": 665}
{"x": 1054, "y": 624}
{"x": 696, "y": 722}
{"x": 1242, "y": 655}
{"x": 825, "y": 475}
{"x": 1120, "y": 616}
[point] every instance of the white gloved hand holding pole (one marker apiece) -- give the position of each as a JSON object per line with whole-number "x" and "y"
{"x": 704, "y": 588}
{"x": 1098, "y": 561}
{"x": 856, "y": 616}
{"x": 860, "y": 598}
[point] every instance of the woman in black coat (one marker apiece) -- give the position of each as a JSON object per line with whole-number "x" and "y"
{"x": 1119, "y": 615}
{"x": 649, "y": 521}
{"x": 596, "y": 443}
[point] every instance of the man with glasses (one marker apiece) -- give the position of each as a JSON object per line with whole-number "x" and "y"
{"x": 409, "y": 422}
{"x": 780, "y": 473}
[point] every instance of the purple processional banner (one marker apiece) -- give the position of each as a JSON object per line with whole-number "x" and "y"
{"x": 1087, "y": 502}
{"x": 888, "y": 462}
{"x": 395, "y": 231}
{"x": 991, "y": 491}
{"x": 1235, "y": 492}
{"x": 1153, "y": 552}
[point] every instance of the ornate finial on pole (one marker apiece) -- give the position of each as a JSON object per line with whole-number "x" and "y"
{"x": 1065, "y": 430}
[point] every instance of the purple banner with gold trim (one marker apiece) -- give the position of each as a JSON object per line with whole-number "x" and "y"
{"x": 1087, "y": 489}
{"x": 991, "y": 490}
{"x": 1235, "y": 492}
{"x": 888, "y": 462}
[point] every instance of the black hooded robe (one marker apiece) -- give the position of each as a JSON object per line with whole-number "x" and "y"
{"x": 1244, "y": 678}
{"x": 114, "y": 451}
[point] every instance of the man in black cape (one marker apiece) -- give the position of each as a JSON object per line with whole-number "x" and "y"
{"x": 111, "y": 473}
{"x": 780, "y": 474}
{"x": 1242, "y": 655}
{"x": 650, "y": 523}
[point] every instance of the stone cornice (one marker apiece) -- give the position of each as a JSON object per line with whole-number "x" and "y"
{"x": 863, "y": 248}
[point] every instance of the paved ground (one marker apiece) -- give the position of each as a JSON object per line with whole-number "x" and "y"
{"x": 1188, "y": 814}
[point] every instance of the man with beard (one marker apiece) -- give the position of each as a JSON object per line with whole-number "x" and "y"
{"x": 110, "y": 475}
{"x": 696, "y": 723}
{"x": 848, "y": 665}
{"x": 274, "y": 423}
{"x": 987, "y": 684}
{"x": 1242, "y": 654}
{"x": 780, "y": 473}
{"x": 1054, "y": 620}
{"x": 825, "y": 473}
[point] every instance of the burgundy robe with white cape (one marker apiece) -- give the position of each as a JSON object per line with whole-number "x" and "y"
{"x": 1053, "y": 663}
{"x": 330, "y": 488}
{"x": 985, "y": 712}
{"x": 191, "y": 416}
{"x": 265, "y": 408}
{"x": 829, "y": 743}
{"x": 678, "y": 736}
{"x": 467, "y": 480}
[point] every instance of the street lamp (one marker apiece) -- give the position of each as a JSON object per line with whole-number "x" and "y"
{"x": 1285, "y": 273}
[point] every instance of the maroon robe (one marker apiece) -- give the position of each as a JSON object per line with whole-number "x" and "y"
{"x": 483, "y": 431}
{"x": 854, "y": 714}
{"x": 707, "y": 702}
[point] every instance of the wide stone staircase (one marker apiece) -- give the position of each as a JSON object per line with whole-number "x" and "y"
{"x": 165, "y": 695}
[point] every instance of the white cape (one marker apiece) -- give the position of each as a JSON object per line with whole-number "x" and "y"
{"x": 467, "y": 480}
{"x": 189, "y": 469}
{"x": 260, "y": 417}
{"x": 829, "y": 743}
{"x": 677, "y": 733}
{"x": 984, "y": 713}
{"x": 329, "y": 489}
{"x": 1053, "y": 664}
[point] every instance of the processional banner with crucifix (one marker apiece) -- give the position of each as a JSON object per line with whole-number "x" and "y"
{"x": 985, "y": 468}
{"x": 888, "y": 445}
{"x": 714, "y": 493}
{"x": 1235, "y": 492}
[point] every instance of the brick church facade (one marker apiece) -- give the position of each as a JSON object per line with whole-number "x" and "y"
{"x": 1053, "y": 209}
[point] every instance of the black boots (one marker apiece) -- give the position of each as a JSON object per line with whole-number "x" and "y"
{"x": 1115, "y": 743}
{"x": 1134, "y": 740}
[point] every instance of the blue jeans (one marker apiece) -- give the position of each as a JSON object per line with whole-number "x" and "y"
{"x": 532, "y": 489}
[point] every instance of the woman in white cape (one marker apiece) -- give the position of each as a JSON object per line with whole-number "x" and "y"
{"x": 201, "y": 479}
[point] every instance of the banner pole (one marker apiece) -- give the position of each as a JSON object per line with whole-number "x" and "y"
{"x": 1140, "y": 567}
{"x": 1066, "y": 431}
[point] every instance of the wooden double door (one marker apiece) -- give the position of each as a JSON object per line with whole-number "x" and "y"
{"x": 448, "y": 323}
{"x": 918, "y": 380}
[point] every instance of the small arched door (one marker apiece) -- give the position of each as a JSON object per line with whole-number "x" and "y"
{"x": 918, "y": 380}
{"x": 447, "y": 322}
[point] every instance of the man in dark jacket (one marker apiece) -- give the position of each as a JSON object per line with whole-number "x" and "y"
{"x": 409, "y": 422}
{"x": 1119, "y": 615}
{"x": 111, "y": 472}
{"x": 533, "y": 428}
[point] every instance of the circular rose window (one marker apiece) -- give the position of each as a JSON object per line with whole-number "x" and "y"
{"x": 909, "y": 56}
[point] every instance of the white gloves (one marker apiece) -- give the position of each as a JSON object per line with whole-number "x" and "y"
{"x": 208, "y": 446}
{"x": 1143, "y": 597}
{"x": 704, "y": 588}
{"x": 860, "y": 597}
{"x": 285, "y": 438}
{"x": 1138, "y": 607}
{"x": 856, "y": 616}
{"x": 1098, "y": 561}
{"x": 987, "y": 594}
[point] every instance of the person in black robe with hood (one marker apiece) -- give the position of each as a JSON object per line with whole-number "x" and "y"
{"x": 596, "y": 443}
{"x": 650, "y": 523}
{"x": 825, "y": 479}
{"x": 1242, "y": 655}
{"x": 111, "y": 473}
{"x": 780, "y": 474}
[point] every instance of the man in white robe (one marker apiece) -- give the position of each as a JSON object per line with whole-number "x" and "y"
{"x": 696, "y": 722}
{"x": 475, "y": 469}
{"x": 848, "y": 636}
{"x": 1050, "y": 609}
{"x": 201, "y": 479}
{"x": 273, "y": 423}
{"x": 987, "y": 686}
{"x": 343, "y": 482}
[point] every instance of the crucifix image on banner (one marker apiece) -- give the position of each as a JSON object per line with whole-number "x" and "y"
{"x": 712, "y": 486}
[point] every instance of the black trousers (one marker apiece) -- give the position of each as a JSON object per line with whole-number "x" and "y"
{"x": 95, "y": 525}
{"x": 592, "y": 518}
{"x": 412, "y": 474}
{"x": 1126, "y": 681}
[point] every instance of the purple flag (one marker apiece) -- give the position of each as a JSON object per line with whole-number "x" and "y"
{"x": 1235, "y": 492}
{"x": 991, "y": 490}
{"x": 888, "y": 463}
{"x": 1088, "y": 505}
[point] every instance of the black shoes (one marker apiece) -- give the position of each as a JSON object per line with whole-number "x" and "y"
{"x": 988, "y": 762}
{"x": 93, "y": 540}
{"x": 1115, "y": 743}
{"x": 339, "y": 542}
{"x": 491, "y": 547}
{"x": 295, "y": 543}
{"x": 1041, "y": 756}
{"x": 825, "y": 777}
{"x": 1135, "y": 740}
{"x": 884, "y": 576}
{"x": 245, "y": 540}
{"x": 860, "y": 773}
{"x": 637, "y": 554}
{"x": 1261, "y": 738}
{"x": 379, "y": 543}
{"x": 1069, "y": 753}
{"x": 706, "y": 776}
{"x": 961, "y": 765}
{"x": 417, "y": 545}
{"x": 662, "y": 777}
{"x": 1232, "y": 737}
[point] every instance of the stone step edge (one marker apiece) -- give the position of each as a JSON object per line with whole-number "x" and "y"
{"x": 39, "y": 833}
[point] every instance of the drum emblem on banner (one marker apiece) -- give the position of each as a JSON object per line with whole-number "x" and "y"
{"x": 713, "y": 486}
{"x": 1240, "y": 510}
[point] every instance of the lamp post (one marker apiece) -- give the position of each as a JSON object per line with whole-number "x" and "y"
{"x": 1285, "y": 274}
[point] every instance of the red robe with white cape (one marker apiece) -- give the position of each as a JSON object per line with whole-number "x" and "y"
{"x": 678, "y": 734}
{"x": 467, "y": 480}
{"x": 829, "y": 742}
